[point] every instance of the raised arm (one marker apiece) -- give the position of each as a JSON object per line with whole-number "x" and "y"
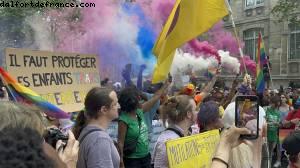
{"x": 209, "y": 86}
{"x": 150, "y": 103}
{"x": 231, "y": 94}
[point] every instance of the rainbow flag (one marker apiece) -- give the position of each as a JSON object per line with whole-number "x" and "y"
{"x": 25, "y": 95}
{"x": 260, "y": 60}
{"x": 283, "y": 133}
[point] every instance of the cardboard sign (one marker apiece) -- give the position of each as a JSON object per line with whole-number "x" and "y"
{"x": 62, "y": 79}
{"x": 193, "y": 151}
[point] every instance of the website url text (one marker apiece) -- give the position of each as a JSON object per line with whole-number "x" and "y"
{"x": 31, "y": 4}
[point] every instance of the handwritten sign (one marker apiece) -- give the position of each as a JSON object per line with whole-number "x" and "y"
{"x": 62, "y": 79}
{"x": 193, "y": 151}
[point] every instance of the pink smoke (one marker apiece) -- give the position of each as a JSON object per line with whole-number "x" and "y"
{"x": 204, "y": 48}
{"x": 250, "y": 65}
{"x": 223, "y": 39}
{"x": 107, "y": 32}
{"x": 95, "y": 24}
{"x": 158, "y": 11}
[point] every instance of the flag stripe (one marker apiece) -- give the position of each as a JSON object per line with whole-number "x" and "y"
{"x": 24, "y": 94}
{"x": 260, "y": 59}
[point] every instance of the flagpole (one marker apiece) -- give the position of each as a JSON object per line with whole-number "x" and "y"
{"x": 236, "y": 34}
{"x": 270, "y": 74}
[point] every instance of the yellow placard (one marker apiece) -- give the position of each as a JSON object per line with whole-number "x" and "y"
{"x": 62, "y": 79}
{"x": 193, "y": 151}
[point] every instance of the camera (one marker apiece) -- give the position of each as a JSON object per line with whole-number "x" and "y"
{"x": 53, "y": 135}
{"x": 1, "y": 90}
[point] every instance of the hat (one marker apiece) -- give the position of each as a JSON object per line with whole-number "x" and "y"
{"x": 292, "y": 143}
{"x": 190, "y": 86}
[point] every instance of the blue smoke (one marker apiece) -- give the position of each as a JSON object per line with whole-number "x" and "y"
{"x": 146, "y": 35}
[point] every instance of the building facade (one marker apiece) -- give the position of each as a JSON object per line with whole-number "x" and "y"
{"x": 282, "y": 40}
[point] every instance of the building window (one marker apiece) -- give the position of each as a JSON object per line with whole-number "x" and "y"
{"x": 250, "y": 39}
{"x": 294, "y": 42}
{"x": 253, "y": 3}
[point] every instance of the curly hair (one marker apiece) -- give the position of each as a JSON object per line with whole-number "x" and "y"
{"x": 129, "y": 99}
{"x": 22, "y": 148}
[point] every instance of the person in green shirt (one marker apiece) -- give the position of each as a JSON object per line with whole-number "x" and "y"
{"x": 273, "y": 122}
{"x": 133, "y": 139}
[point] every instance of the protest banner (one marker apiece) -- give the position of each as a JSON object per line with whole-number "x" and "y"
{"x": 193, "y": 151}
{"x": 62, "y": 79}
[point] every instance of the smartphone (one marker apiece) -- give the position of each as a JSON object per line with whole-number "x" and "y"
{"x": 247, "y": 115}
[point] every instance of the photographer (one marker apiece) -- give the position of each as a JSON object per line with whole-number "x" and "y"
{"x": 229, "y": 140}
{"x": 14, "y": 115}
{"x": 27, "y": 149}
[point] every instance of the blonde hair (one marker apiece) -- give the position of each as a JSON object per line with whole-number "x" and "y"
{"x": 176, "y": 108}
{"x": 16, "y": 115}
{"x": 241, "y": 157}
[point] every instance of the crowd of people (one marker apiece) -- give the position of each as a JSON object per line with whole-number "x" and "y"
{"x": 25, "y": 130}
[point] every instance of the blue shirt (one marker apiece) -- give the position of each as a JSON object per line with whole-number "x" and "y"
{"x": 149, "y": 115}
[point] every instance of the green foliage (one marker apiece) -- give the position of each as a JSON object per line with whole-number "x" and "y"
{"x": 287, "y": 10}
{"x": 15, "y": 28}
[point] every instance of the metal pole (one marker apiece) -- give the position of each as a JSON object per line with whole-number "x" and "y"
{"x": 268, "y": 64}
{"x": 236, "y": 35}
{"x": 270, "y": 75}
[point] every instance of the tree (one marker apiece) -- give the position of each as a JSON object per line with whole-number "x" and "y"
{"x": 15, "y": 29}
{"x": 287, "y": 10}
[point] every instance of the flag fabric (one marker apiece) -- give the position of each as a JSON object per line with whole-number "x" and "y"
{"x": 283, "y": 133}
{"x": 260, "y": 60}
{"x": 26, "y": 95}
{"x": 188, "y": 19}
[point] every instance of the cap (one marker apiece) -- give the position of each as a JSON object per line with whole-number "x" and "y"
{"x": 190, "y": 86}
{"x": 292, "y": 143}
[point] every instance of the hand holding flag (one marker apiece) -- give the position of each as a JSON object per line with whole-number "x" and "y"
{"x": 24, "y": 94}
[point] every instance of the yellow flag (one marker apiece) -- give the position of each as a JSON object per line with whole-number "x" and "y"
{"x": 188, "y": 19}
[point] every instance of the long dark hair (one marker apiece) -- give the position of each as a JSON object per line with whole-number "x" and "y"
{"x": 94, "y": 100}
{"x": 129, "y": 99}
